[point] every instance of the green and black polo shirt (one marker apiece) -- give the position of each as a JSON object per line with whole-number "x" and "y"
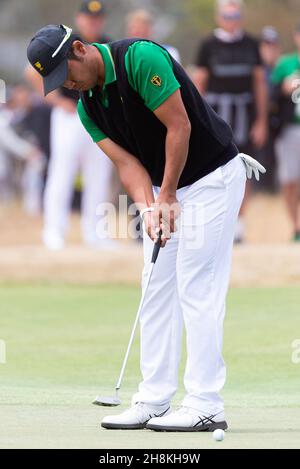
{"x": 140, "y": 76}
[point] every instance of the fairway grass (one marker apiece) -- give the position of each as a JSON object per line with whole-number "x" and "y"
{"x": 65, "y": 345}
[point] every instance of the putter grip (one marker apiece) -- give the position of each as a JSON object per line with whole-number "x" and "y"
{"x": 156, "y": 248}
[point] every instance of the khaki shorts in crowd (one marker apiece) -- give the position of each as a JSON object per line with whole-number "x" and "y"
{"x": 288, "y": 154}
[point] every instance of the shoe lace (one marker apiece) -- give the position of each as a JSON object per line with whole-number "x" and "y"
{"x": 182, "y": 410}
{"x": 143, "y": 411}
{"x": 138, "y": 408}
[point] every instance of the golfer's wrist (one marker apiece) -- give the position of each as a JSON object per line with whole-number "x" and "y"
{"x": 146, "y": 210}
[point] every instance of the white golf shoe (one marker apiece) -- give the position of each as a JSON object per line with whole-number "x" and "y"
{"x": 134, "y": 418}
{"x": 187, "y": 419}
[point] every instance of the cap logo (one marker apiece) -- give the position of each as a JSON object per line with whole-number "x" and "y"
{"x": 39, "y": 66}
{"x": 156, "y": 80}
{"x": 94, "y": 6}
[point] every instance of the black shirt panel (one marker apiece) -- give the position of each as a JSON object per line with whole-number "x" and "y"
{"x": 230, "y": 89}
{"x": 35, "y": 126}
{"x": 230, "y": 64}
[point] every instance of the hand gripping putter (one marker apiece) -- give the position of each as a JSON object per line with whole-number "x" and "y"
{"x": 113, "y": 401}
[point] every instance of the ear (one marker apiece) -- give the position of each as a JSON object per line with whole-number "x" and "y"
{"x": 79, "y": 49}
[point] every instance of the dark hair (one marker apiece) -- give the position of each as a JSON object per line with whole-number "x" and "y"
{"x": 70, "y": 54}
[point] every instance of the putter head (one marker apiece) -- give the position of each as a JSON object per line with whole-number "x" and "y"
{"x": 107, "y": 401}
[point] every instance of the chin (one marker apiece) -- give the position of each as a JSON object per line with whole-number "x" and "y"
{"x": 84, "y": 88}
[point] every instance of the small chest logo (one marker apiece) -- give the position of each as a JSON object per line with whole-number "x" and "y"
{"x": 156, "y": 80}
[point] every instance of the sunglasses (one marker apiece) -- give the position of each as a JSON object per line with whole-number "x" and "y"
{"x": 67, "y": 36}
{"x": 231, "y": 16}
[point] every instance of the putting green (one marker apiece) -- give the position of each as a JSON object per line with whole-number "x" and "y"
{"x": 65, "y": 344}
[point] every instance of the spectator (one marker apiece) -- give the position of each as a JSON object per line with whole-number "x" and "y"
{"x": 14, "y": 146}
{"x": 286, "y": 80}
{"x": 140, "y": 23}
{"x": 270, "y": 52}
{"x": 230, "y": 74}
{"x": 32, "y": 122}
{"x": 72, "y": 149}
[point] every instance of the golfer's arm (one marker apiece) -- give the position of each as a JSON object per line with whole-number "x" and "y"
{"x": 134, "y": 178}
{"x": 173, "y": 115}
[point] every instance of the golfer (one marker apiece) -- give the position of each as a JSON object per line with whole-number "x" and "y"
{"x": 177, "y": 161}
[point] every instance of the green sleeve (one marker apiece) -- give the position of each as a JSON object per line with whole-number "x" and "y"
{"x": 94, "y": 131}
{"x": 285, "y": 67}
{"x": 278, "y": 74}
{"x": 150, "y": 73}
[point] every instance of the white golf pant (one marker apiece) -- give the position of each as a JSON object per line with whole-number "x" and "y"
{"x": 189, "y": 286}
{"x": 73, "y": 149}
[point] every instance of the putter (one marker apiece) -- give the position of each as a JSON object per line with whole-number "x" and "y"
{"x": 112, "y": 401}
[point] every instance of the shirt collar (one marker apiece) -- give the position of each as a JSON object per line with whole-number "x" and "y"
{"x": 229, "y": 37}
{"x": 110, "y": 70}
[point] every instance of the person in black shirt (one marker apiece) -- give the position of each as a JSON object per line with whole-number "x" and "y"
{"x": 230, "y": 75}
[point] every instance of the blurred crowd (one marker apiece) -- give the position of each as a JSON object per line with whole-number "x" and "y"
{"x": 46, "y": 156}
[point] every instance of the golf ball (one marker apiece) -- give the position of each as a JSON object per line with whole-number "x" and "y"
{"x": 218, "y": 435}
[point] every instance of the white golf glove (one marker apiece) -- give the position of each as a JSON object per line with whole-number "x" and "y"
{"x": 252, "y": 166}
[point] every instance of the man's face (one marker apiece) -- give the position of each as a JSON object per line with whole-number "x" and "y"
{"x": 139, "y": 28}
{"x": 229, "y": 18}
{"x": 82, "y": 74}
{"x": 90, "y": 27}
{"x": 270, "y": 52}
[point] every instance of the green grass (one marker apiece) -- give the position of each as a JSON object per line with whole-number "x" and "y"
{"x": 66, "y": 344}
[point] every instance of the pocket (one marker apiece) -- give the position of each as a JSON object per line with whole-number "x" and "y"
{"x": 213, "y": 179}
{"x": 234, "y": 169}
{"x": 242, "y": 168}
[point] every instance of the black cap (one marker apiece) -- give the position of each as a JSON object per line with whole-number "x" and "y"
{"x": 93, "y": 8}
{"x": 47, "y": 53}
